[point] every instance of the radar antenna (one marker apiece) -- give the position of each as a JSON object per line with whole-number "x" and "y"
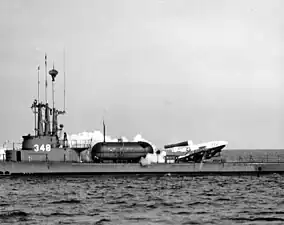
{"x": 53, "y": 73}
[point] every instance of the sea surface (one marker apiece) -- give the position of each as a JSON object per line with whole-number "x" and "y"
{"x": 142, "y": 200}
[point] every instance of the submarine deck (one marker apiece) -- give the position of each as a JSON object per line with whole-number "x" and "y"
{"x": 189, "y": 169}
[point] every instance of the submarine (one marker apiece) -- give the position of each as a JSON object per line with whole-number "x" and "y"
{"x": 49, "y": 152}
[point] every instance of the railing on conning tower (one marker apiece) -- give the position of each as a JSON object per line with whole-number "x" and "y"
{"x": 9, "y": 145}
{"x": 80, "y": 144}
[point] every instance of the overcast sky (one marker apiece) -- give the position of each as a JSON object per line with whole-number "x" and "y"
{"x": 169, "y": 70}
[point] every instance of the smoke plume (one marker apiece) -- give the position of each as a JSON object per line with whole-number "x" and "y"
{"x": 97, "y": 136}
{"x": 153, "y": 158}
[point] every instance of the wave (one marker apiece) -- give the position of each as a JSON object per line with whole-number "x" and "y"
{"x": 70, "y": 201}
{"x": 13, "y": 214}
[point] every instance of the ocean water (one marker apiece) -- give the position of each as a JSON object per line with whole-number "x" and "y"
{"x": 142, "y": 200}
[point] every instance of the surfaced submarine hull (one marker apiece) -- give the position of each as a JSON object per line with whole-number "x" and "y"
{"x": 48, "y": 152}
{"x": 191, "y": 169}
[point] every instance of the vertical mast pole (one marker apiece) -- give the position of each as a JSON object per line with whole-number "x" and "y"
{"x": 53, "y": 91}
{"x": 54, "y": 125}
{"x": 47, "y": 112}
{"x": 64, "y": 94}
{"x": 38, "y": 83}
{"x": 35, "y": 119}
{"x": 53, "y": 74}
{"x": 104, "y": 130}
{"x": 36, "y": 109}
{"x": 45, "y": 78}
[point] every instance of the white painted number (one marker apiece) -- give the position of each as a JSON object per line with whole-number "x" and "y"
{"x": 48, "y": 148}
{"x": 42, "y": 148}
{"x": 36, "y": 148}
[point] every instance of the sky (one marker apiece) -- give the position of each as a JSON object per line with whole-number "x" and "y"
{"x": 167, "y": 70}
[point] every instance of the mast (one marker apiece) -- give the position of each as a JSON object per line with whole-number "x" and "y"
{"x": 35, "y": 112}
{"x": 53, "y": 74}
{"x": 38, "y": 83}
{"x": 47, "y": 119}
{"x": 35, "y": 107}
{"x": 104, "y": 130}
{"x": 45, "y": 78}
{"x": 64, "y": 94}
{"x": 47, "y": 110}
{"x": 39, "y": 120}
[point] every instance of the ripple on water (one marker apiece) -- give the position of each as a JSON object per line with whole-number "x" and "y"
{"x": 142, "y": 200}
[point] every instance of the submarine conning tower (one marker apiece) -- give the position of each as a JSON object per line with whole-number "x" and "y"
{"x": 45, "y": 137}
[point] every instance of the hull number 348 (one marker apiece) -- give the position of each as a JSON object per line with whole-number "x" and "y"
{"x": 42, "y": 147}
